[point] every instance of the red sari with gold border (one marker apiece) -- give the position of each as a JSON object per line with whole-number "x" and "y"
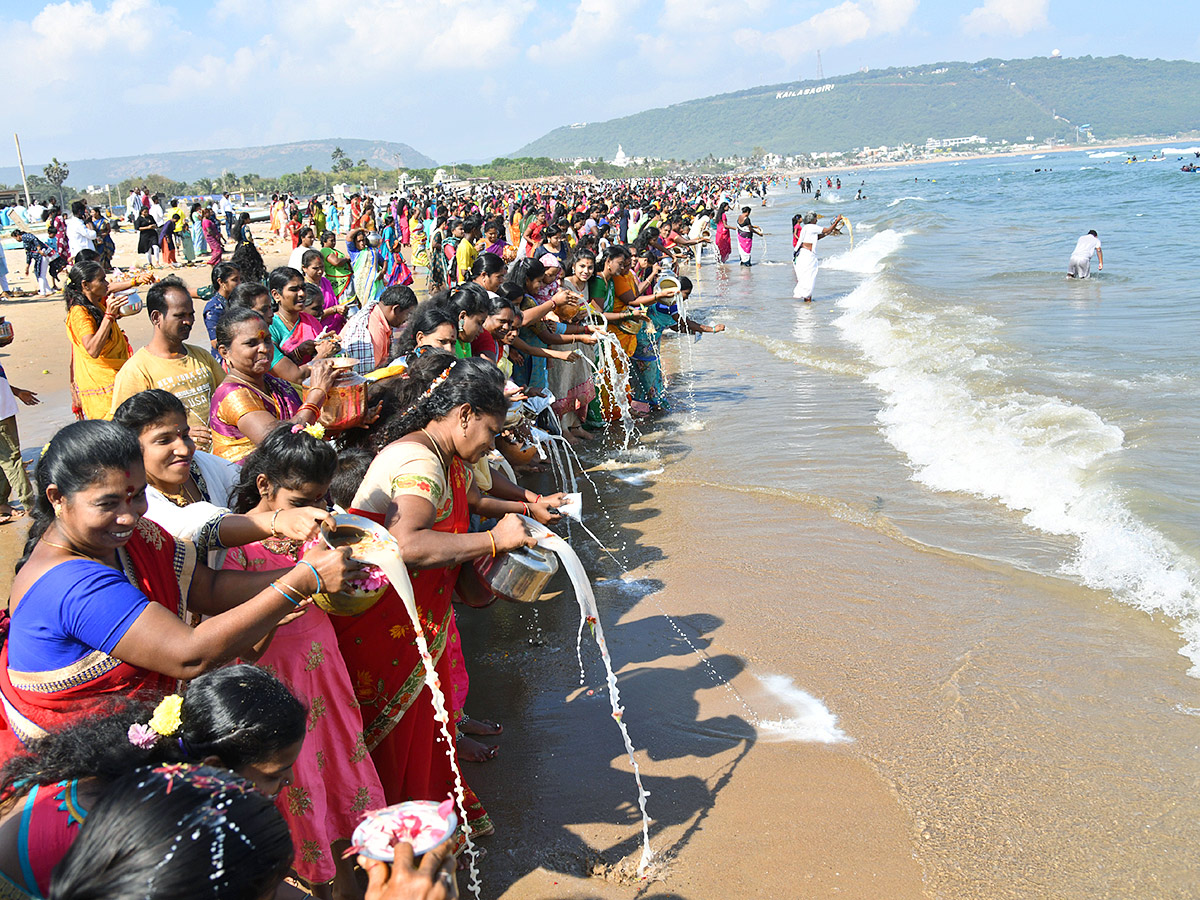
{"x": 34, "y": 703}
{"x": 380, "y": 650}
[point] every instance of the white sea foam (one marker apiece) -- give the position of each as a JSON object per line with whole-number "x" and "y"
{"x": 900, "y": 200}
{"x": 636, "y": 478}
{"x": 1180, "y": 150}
{"x": 1105, "y": 154}
{"x": 807, "y": 718}
{"x": 950, "y": 406}
{"x": 867, "y": 256}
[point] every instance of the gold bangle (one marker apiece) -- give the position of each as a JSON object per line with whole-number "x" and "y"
{"x": 292, "y": 590}
{"x": 274, "y": 533}
{"x": 493, "y": 540}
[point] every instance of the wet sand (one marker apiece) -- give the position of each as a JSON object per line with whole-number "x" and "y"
{"x": 1004, "y": 743}
{"x": 733, "y": 814}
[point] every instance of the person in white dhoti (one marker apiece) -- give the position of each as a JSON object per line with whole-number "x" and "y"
{"x": 1080, "y": 264}
{"x": 804, "y": 254}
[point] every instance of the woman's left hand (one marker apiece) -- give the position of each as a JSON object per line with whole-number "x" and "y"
{"x": 372, "y": 415}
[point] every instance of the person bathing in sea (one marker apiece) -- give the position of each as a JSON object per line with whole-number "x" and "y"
{"x": 746, "y": 230}
{"x": 804, "y": 254}
{"x": 1080, "y": 264}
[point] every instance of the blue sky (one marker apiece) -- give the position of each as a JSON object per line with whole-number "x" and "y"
{"x": 470, "y": 79}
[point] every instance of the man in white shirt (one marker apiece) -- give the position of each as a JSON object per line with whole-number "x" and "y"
{"x": 1080, "y": 264}
{"x": 227, "y": 214}
{"x": 133, "y": 205}
{"x": 80, "y": 235}
{"x": 13, "y": 479}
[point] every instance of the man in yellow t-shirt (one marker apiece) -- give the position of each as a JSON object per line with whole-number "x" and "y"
{"x": 465, "y": 255}
{"x": 180, "y": 214}
{"x": 167, "y": 363}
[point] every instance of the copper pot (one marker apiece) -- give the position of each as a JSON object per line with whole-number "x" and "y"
{"x": 346, "y": 405}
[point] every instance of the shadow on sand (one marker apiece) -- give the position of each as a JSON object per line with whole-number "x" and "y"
{"x": 561, "y": 791}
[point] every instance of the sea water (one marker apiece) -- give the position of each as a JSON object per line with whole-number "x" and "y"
{"x": 951, "y": 381}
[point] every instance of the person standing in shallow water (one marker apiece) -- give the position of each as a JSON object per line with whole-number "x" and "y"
{"x": 804, "y": 253}
{"x": 1080, "y": 264}
{"x": 745, "y": 232}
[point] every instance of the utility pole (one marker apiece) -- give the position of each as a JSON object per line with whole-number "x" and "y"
{"x": 21, "y": 163}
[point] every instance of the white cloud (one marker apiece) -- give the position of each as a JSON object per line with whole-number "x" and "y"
{"x": 1006, "y": 17}
{"x": 65, "y": 41}
{"x": 836, "y": 26}
{"x": 705, "y": 13}
{"x": 594, "y": 26}
{"x": 82, "y": 56}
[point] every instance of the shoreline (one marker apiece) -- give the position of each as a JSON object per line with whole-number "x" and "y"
{"x": 892, "y": 164}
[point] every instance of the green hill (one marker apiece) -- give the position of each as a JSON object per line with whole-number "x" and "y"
{"x": 1118, "y": 96}
{"x": 269, "y": 161}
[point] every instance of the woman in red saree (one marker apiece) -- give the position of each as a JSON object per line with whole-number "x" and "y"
{"x": 449, "y": 422}
{"x": 98, "y": 602}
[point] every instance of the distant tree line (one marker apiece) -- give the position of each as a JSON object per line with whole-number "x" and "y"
{"x": 344, "y": 170}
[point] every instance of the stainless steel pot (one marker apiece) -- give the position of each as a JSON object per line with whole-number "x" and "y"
{"x": 519, "y": 575}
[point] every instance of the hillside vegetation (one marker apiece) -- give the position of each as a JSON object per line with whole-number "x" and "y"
{"x": 998, "y": 99}
{"x": 267, "y": 162}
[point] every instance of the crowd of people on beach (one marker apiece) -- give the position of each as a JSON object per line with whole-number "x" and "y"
{"x": 167, "y": 679}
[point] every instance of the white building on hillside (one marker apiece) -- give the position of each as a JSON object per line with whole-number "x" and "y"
{"x": 620, "y": 159}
